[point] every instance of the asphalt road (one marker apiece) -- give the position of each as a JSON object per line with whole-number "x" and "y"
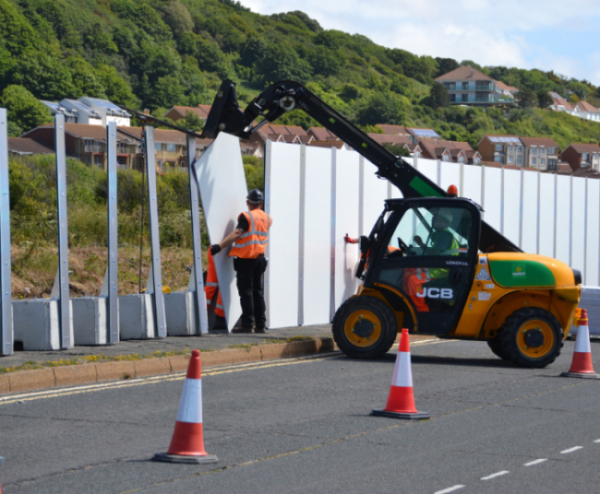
{"x": 304, "y": 426}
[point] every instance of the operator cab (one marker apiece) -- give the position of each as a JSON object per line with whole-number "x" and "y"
{"x": 424, "y": 252}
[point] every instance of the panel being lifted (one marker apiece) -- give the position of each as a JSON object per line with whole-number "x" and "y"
{"x": 222, "y": 184}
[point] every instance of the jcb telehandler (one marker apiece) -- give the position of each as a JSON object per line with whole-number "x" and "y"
{"x": 430, "y": 263}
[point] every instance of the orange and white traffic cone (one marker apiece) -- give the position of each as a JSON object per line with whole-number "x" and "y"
{"x": 187, "y": 444}
{"x": 401, "y": 401}
{"x": 581, "y": 366}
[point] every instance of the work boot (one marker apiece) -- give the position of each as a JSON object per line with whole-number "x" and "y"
{"x": 241, "y": 330}
{"x": 220, "y": 323}
{"x": 260, "y": 330}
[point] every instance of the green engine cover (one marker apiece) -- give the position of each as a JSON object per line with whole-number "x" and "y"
{"x": 521, "y": 273}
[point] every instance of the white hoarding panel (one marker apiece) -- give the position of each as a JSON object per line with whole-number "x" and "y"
{"x": 492, "y": 196}
{"x": 222, "y": 184}
{"x": 472, "y": 183}
{"x": 346, "y": 205}
{"x": 547, "y": 195}
{"x": 283, "y": 196}
{"x": 429, "y": 168}
{"x": 512, "y": 205}
{"x": 317, "y": 236}
{"x": 563, "y": 218}
{"x": 592, "y": 250}
{"x": 375, "y": 191}
{"x": 530, "y": 212}
{"x": 578, "y": 224}
{"x": 450, "y": 175}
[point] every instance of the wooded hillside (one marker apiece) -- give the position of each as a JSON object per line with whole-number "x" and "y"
{"x": 158, "y": 53}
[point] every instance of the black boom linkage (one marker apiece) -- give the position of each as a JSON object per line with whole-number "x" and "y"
{"x": 284, "y": 96}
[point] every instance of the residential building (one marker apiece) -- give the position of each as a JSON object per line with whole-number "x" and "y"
{"x": 505, "y": 149}
{"x": 416, "y": 135}
{"x": 90, "y": 111}
{"x": 397, "y": 140}
{"x": 586, "y": 111}
{"x": 177, "y": 112}
{"x": 506, "y": 90}
{"x": 398, "y": 130}
{"x": 322, "y": 134}
{"x": 580, "y": 155}
{"x": 21, "y": 146}
{"x": 541, "y": 153}
{"x": 281, "y": 133}
{"x": 559, "y": 103}
{"x": 451, "y": 151}
{"x": 469, "y": 86}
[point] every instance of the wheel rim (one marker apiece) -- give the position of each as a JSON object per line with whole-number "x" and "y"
{"x": 362, "y": 328}
{"x": 529, "y": 333}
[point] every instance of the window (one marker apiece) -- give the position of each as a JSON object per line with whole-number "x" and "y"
{"x": 171, "y": 148}
{"x": 465, "y": 86}
{"x": 542, "y": 161}
{"x": 551, "y": 164}
{"x": 498, "y": 147}
{"x": 550, "y": 150}
{"x": 510, "y": 159}
{"x": 509, "y": 149}
{"x": 519, "y": 160}
{"x": 417, "y": 229}
{"x": 584, "y": 156}
{"x": 450, "y": 86}
{"x": 465, "y": 97}
{"x": 452, "y": 98}
{"x": 542, "y": 150}
{"x": 461, "y": 158}
{"x": 534, "y": 150}
{"x": 519, "y": 149}
{"x": 534, "y": 161}
{"x": 445, "y": 157}
{"x": 476, "y": 161}
{"x": 157, "y": 146}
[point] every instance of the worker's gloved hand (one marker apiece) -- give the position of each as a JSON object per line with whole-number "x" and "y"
{"x": 215, "y": 249}
{"x": 349, "y": 240}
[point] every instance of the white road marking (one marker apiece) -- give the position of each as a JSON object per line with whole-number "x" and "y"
{"x": 570, "y": 450}
{"x": 494, "y": 475}
{"x": 535, "y": 462}
{"x": 450, "y": 489}
{"x": 597, "y": 440}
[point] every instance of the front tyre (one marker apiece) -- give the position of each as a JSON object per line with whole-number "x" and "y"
{"x": 531, "y": 337}
{"x": 364, "y": 327}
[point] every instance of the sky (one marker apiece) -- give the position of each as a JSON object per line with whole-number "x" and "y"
{"x": 547, "y": 35}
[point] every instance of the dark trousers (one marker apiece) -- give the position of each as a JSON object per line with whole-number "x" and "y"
{"x": 249, "y": 274}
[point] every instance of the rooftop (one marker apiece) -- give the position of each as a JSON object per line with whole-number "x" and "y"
{"x": 464, "y": 73}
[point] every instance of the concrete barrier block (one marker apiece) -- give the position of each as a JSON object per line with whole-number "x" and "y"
{"x": 152, "y": 367}
{"x": 180, "y": 312}
{"x": 136, "y": 317}
{"x": 114, "y": 371}
{"x": 89, "y": 320}
{"x": 30, "y": 380}
{"x": 36, "y": 324}
{"x": 72, "y": 375}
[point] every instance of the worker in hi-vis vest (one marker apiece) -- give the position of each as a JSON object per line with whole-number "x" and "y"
{"x": 442, "y": 243}
{"x": 249, "y": 239}
{"x": 210, "y": 288}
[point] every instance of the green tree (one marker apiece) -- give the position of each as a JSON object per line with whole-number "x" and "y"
{"x": 115, "y": 87}
{"x": 382, "y": 108}
{"x": 191, "y": 121}
{"x": 178, "y": 18}
{"x": 44, "y": 76}
{"x": 526, "y": 98}
{"x": 326, "y": 62}
{"x": 438, "y": 96}
{"x": 23, "y": 108}
{"x": 282, "y": 62}
{"x": 544, "y": 99}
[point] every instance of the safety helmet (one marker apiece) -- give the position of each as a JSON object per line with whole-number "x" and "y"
{"x": 445, "y": 214}
{"x": 255, "y": 196}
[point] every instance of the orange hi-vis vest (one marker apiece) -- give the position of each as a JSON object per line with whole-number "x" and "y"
{"x": 212, "y": 285}
{"x": 253, "y": 242}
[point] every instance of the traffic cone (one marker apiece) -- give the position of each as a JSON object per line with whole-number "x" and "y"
{"x": 401, "y": 401}
{"x": 581, "y": 366}
{"x": 187, "y": 444}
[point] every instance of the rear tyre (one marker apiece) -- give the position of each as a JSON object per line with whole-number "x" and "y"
{"x": 530, "y": 337}
{"x": 364, "y": 327}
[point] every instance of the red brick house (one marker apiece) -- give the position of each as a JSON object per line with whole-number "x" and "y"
{"x": 580, "y": 155}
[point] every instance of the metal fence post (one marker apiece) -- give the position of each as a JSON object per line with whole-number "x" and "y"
{"x": 155, "y": 269}
{"x": 6, "y": 322}
{"x": 113, "y": 252}
{"x": 63, "y": 234}
{"x": 196, "y": 276}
